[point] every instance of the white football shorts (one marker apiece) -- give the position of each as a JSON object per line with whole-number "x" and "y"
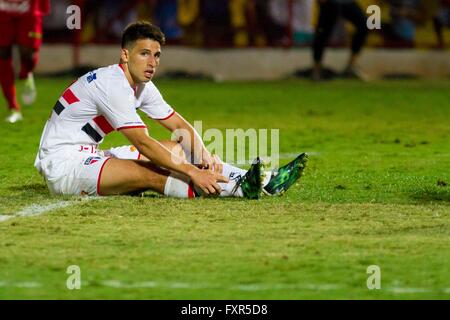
{"x": 78, "y": 171}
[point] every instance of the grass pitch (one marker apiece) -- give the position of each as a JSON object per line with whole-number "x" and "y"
{"x": 375, "y": 193}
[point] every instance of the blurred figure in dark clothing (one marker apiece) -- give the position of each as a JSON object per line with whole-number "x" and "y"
{"x": 400, "y": 32}
{"x": 166, "y": 19}
{"x": 330, "y": 10}
{"x": 441, "y": 20}
{"x": 216, "y": 18}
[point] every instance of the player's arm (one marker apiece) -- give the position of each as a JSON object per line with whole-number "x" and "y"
{"x": 161, "y": 156}
{"x": 192, "y": 142}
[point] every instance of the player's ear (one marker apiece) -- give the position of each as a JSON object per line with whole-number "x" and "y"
{"x": 124, "y": 55}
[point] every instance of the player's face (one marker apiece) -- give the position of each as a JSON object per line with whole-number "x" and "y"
{"x": 143, "y": 59}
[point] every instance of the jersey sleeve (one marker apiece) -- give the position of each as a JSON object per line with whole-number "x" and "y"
{"x": 117, "y": 105}
{"x": 154, "y": 105}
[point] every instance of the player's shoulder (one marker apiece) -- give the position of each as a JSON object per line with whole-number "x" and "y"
{"x": 110, "y": 73}
{"x": 109, "y": 77}
{"x": 150, "y": 88}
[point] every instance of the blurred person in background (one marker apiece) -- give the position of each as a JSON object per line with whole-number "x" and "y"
{"x": 300, "y": 24}
{"x": 215, "y": 16}
{"x": 440, "y": 20}
{"x": 54, "y": 24}
{"x": 21, "y": 25}
{"x": 166, "y": 14}
{"x": 400, "y": 31}
{"x": 188, "y": 17}
{"x": 263, "y": 22}
{"x": 113, "y": 17}
{"x": 330, "y": 10}
{"x": 240, "y": 11}
{"x": 252, "y": 24}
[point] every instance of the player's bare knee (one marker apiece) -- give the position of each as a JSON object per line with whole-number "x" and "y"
{"x": 178, "y": 150}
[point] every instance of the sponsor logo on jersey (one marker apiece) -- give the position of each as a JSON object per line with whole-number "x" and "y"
{"x": 91, "y": 77}
{"x": 91, "y": 160}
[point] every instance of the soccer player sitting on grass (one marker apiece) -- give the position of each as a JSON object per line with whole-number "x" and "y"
{"x": 105, "y": 100}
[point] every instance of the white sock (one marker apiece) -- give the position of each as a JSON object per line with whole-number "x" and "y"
{"x": 231, "y": 172}
{"x": 227, "y": 189}
{"x": 178, "y": 187}
{"x": 267, "y": 176}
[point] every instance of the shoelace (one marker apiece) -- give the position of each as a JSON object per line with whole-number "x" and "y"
{"x": 239, "y": 179}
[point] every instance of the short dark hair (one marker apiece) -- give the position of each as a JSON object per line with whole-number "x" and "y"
{"x": 142, "y": 30}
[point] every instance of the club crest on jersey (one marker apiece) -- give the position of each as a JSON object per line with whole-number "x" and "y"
{"x": 91, "y": 77}
{"x": 91, "y": 160}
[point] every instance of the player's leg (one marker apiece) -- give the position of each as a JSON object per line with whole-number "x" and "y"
{"x": 275, "y": 182}
{"x": 7, "y": 84}
{"x": 441, "y": 20}
{"x": 160, "y": 180}
{"x": 328, "y": 15}
{"x": 172, "y": 184}
{"x": 242, "y": 183}
{"x": 28, "y": 61}
{"x": 120, "y": 176}
{"x": 131, "y": 153}
{"x": 7, "y": 27}
{"x": 85, "y": 173}
{"x": 438, "y": 31}
{"x": 353, "y": 13}
{"x": 29, "y": 40}
{"x": 174, "y": 147}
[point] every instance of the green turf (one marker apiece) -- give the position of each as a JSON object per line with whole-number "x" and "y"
{"x": 375, "y": 193}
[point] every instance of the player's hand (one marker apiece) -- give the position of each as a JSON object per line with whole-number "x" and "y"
{"x": 211, "y": 162}
{"x": 207, "y": 180}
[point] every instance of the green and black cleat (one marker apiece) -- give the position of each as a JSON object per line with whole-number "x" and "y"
{"x": 283, "y": 178}
{"x": 251, "y": 182}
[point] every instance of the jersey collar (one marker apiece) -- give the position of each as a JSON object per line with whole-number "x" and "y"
{"x": 135, "y": 87}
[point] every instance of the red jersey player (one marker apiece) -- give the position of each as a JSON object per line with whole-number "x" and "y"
{"x": 20, "y": 24}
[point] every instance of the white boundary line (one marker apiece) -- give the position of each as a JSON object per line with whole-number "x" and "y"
{"x": 37, "y": 209}
{"x": 117, "y": 284}
{"x": 254, "y": 287}
{"x": 242, "y": 287}
{"x": 28, "y": 284}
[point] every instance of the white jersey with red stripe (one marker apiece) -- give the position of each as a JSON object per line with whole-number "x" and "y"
{"x": 96, "y": 104}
